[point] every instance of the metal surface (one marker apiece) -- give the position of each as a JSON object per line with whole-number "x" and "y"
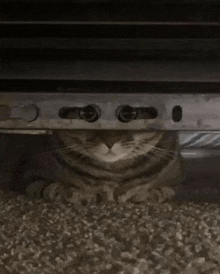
{"x": 152, "y": 45}
{"x": 117, "y": 1}
{"x": 199, "y": 144}
{"x": 23, "y": 131}
{"x": 110, "y": 65}
{"x": 110, "y": 10}
{"x": 114, "y": 71}
{"x": 202, "y": 139}
{"x": 154, "y": 111}
{"x": 200, "y": 153}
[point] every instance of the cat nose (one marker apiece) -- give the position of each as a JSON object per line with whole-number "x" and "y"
{"x": 109, "y": 144}
{"x": 109, "y": 139}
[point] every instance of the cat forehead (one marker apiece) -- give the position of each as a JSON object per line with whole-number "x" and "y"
{"x": 143, "y": 135}
{"x": 120, "y": 133}
{"x": 100, "y": 134}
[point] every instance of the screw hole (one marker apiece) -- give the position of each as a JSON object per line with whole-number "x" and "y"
{"x": 68, "y": 113}
{"x": 90, "y": 113}
{"x": 147, "y": 113}
{"x": 177, "y": 114}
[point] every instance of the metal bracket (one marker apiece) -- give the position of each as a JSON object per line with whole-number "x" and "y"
{"x": 46, "y": 111}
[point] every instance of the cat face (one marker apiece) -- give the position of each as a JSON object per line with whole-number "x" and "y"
{"x": 110, "y": 145}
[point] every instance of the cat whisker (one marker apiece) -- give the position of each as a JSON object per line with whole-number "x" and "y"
{"x": 165, "y": 156}
{"x": 161, "y": 152}
{"x": 129, "y": 142}
{"x": 77, "y": 148}
{"x": 161, "y": 149}
{"x": 127, "y": 147}
{"x": 167, "y": 152}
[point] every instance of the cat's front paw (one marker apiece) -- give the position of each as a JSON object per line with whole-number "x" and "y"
{"x": 54, "y": 192}
{"x": 40, "y": 187}
{"x": 79, "y": 197}
{"x": 158, "y": 195}
{"x": 35, "y": 188}
{"x": 161, "y": 195}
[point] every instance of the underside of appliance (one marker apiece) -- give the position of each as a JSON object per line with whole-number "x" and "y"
{"x": 102, "y": 64}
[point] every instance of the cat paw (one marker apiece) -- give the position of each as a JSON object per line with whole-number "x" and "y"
{"x": 57, "y": 192}
{"x": 79, "y": 197}
{"x": 53, "y": 192}
{"x": 161, "y": 195}
{"x": 41, "y": 188}
{"x": 35, "y": 188}
{"x": 152, "y": 195}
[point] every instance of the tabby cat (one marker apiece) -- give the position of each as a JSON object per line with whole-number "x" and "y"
{"x": 106, "y": 165}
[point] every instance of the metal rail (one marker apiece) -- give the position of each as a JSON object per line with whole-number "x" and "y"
{"x": 43, "y": 111}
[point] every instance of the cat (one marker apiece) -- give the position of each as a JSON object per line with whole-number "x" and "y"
{"x": 84, "y": 166}
{"x": 111, "y": 165}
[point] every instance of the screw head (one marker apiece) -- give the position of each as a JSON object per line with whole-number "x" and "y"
{"x": 90, "y": 113}
{"x": 126, "y": 113}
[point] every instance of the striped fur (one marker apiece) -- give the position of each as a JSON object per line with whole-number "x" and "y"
{"x": 116, "y": 165}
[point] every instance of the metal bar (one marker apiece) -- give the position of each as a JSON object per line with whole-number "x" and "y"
{"x": 116, "y": 1}
{"x": 112, "y": 44}
{"x": 107, "y": 23}
{"x": 199, "y": 112}
{"x": 25, "y": 131}
{"x": 108, "y": 87}
{"x": 185, "y": 71}
{"x": 111, "y": 10}
{"x": 111, "y": 29}
{"x": 200, "y": 153}
{"x": 197, "y": 140}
